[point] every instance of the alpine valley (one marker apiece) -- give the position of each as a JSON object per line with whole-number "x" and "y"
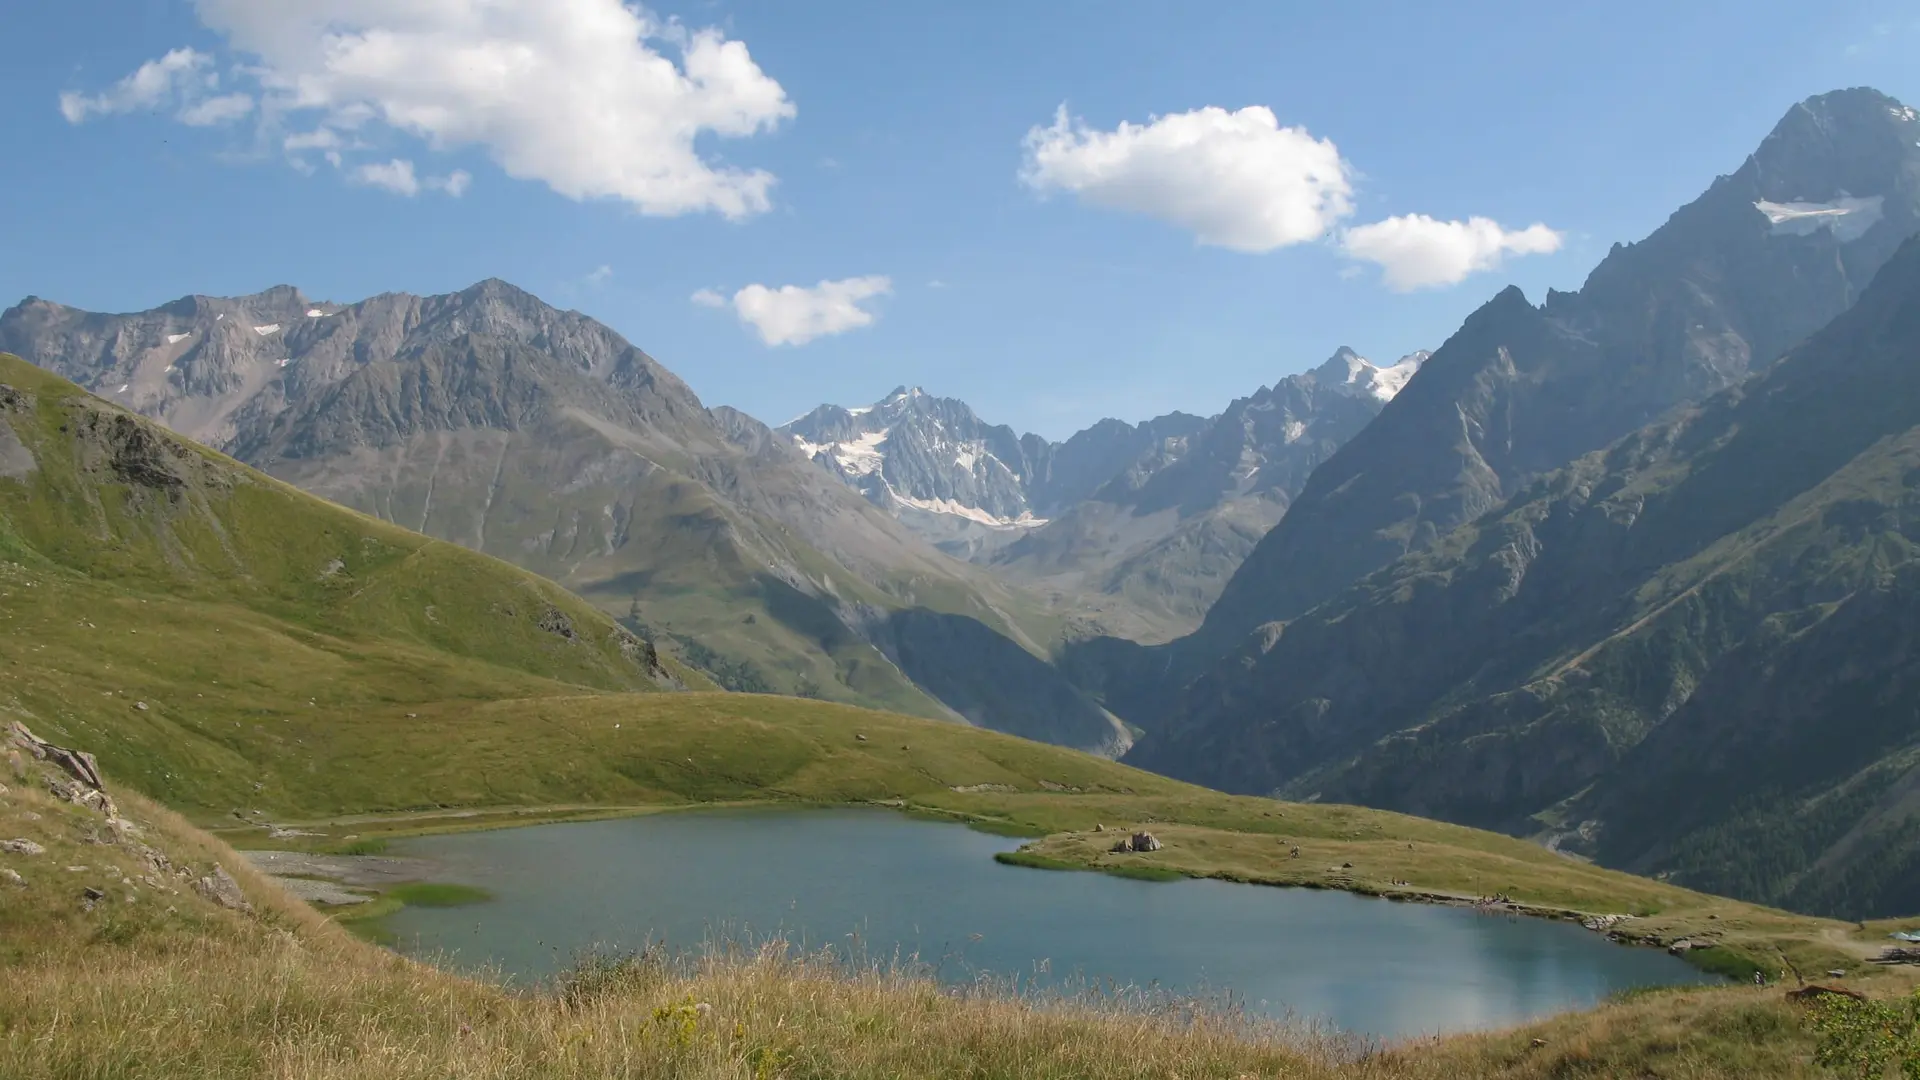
{"x": 1629, "y": 572}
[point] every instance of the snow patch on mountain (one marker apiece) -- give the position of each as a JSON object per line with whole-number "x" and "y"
{"x": 856, "y": 457}
{"x": 972, "y": 513}
{"x": 1389, "y": 381}
{"x": 1350, "y": 372}
{"x": 1846, "y": 217}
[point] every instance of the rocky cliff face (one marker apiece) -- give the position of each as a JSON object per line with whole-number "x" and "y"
{"x": 495, "y": 421}
{"x": 912, "y": 451}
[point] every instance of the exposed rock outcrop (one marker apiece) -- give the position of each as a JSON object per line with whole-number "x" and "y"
{"x": 221, "y": 888}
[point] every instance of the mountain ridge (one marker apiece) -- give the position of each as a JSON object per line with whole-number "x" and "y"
{"x": 490, "y": 419}
{"x": 1520, "y": 390}
{"x": 1546, "y": 659}
{"x": 1153, "y": 514}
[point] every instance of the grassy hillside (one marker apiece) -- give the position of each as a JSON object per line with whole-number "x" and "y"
{"x": 200, "y": 626}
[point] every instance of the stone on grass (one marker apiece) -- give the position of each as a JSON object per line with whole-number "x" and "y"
{"x": 22, "y": 847}
{"x": 220, "y": 888}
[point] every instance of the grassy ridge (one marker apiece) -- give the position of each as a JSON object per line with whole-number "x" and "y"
{"x": 198, "y": 625}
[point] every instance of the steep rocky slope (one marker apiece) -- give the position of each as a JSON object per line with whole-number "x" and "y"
{"x": 1763, "y": 258}
{"x": 495, "y": 421}
{"x": 1169, "y": 531}
{"x": 1692, "y": 652}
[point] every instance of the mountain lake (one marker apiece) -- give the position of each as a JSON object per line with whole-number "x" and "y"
{"x": 880, "y": 885}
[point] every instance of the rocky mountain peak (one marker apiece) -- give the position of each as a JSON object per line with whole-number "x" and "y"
{"x": 236, "y": 372}
{"x": 1348, "y": 372}
{"x": 912, "y": 452}
{"x": 1833, "y": 162}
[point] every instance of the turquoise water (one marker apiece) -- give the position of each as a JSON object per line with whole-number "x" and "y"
{"x": 892, "y": 885}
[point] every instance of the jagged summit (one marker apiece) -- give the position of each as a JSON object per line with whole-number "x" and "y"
{"x": 237, "y": 372}
{"x": 1347, "y": 371}
{"x": 1762, "y": 258}
{"x": 1159, "y": 512}
{"x": 913, "y": 452}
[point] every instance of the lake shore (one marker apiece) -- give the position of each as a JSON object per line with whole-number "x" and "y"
{"x": 1718, "y": 935}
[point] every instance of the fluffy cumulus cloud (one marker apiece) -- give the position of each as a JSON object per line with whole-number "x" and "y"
{"x": 797, "y": 314}
{"x": 1236, "y": 180}
{"x": 597, "y": 99}
{"x": 1415, "y": 251}
{"x": 1242, "y": 181}
{"x": 183, "y": 78}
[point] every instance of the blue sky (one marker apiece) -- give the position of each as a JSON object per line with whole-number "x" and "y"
{"x": 1049, "y": 276}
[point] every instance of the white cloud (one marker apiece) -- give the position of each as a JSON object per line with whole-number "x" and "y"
{"x": 796, "y": 314}
{"x": 1235, "y": 179}
{"x": 1415, "y": 251}
{"x": 600, "y": 275}
{"x": 395, "y": 176}
{"x": 595, "y": 98}
{"x": 317, "y": 139}
{"x": 399, "y": 177}
{"x": 455, "y": 183}
{"x": 224, "y": 109}
{"x": 154, "y": 83}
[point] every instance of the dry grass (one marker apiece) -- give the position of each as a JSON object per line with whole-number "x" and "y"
{"x": 292, "y": 1008}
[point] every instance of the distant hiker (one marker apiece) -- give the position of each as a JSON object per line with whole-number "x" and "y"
{"x": 1759, "y": 978}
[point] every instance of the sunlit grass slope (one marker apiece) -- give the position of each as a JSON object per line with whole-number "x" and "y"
{"x": 203, "y": 628}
